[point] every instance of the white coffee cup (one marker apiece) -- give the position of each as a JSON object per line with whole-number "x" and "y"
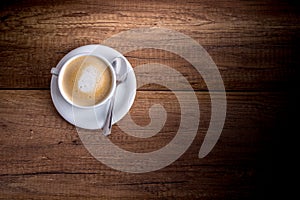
{"x": 84, "y": 78}
{"x": 101, "y": 106}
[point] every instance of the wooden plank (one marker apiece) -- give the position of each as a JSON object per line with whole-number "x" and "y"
{"x": 254, "y": 44}
{"x": 42, "y": 157}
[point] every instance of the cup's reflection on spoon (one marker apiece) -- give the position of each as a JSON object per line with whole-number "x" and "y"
{"x": 120, "y": 67}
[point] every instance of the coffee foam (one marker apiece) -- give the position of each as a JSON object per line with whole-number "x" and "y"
{"x": 87, "y": 80}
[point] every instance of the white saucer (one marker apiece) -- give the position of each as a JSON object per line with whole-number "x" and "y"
{"x": 88, "y": 119}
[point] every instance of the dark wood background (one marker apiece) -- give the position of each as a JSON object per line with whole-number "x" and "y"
{"x": 253, "y": 43}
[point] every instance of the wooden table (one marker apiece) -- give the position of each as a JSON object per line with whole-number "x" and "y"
{"x": 253, "y": 43}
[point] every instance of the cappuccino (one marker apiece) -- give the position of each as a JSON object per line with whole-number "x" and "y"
{"x": 86, "y": 80}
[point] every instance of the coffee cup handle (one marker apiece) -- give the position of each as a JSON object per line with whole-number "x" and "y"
{"x": 54, "y": 71}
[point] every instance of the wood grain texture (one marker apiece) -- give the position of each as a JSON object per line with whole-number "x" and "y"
{"x": 255, "y": 45}
{"x": 252, "y": 43}
{"x": 42, "y": 156}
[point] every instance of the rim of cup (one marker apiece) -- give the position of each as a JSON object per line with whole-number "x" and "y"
{"x": 112, "y": 88}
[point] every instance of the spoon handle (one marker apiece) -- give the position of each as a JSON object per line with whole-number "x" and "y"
{"x": 106, "y": 130}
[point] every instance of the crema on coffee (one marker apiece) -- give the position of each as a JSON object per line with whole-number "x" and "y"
{"x": 87, "y": 80}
